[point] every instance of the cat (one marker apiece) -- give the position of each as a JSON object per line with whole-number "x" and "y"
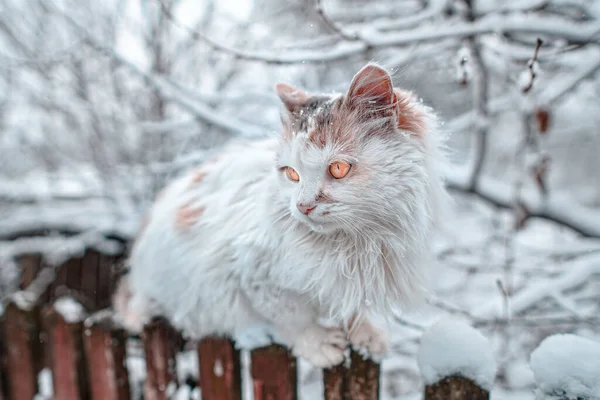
{"x": 332, "y": 218}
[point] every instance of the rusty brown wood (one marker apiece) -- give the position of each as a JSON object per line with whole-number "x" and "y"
{"x": 455, "y": 388}
{"x": 89, "y": 277}
{"x": 3, "y": 383}
{"x": 105, "y": 355}
{"x": 159, "y": 347}
{"x": 21, "y": 330}
{"x": 363, "y": 378}
{"x": 334, "y": 383}
{"x": 104, "y": 279}
{"x": 60, "y": 282}
{"x": 74, "y": 269}
{"x": 30, "y": 266}
{"x": 275, "y": 374}
{"x": 68, "y": 365}
{"x": 220, "y": 369}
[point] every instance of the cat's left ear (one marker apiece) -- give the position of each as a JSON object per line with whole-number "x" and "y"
{"x": 293, "y": 98}
{"x": 371, "y": 86}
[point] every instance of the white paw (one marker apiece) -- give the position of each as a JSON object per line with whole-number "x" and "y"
{"x": 323, "y": 347}
{"x": 369, "y": 340}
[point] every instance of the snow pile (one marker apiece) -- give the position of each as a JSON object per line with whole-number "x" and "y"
{"x": 70, "y": 309}
{"x": 567, "y": 367}
{"x": 452, "y": 347}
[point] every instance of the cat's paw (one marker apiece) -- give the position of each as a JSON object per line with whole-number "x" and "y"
{"x": 323, "y": 347}
{"x": 369, "y": 340}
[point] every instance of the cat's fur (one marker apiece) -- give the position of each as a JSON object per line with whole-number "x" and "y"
{"x": 226, "y": 248}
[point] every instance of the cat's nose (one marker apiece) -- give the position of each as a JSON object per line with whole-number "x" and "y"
{"x": 305, "y": 208}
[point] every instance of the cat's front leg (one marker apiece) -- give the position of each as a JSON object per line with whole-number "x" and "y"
{"x": 295, "y": 321}
{"x": 368, "y": 339}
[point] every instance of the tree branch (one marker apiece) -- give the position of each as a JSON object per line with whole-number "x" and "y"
{"x": 554, "y": 208}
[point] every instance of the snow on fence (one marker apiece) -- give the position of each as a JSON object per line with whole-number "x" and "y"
{"x": 87, "y": 356}
{"x": 567, "y": 367}
{"x": 456, "y": 362}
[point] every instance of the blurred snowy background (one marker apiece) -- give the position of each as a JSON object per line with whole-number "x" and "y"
{"x": 101, "y": 102}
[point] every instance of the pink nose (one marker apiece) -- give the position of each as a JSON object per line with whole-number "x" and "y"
{"x": 305, "y": 208}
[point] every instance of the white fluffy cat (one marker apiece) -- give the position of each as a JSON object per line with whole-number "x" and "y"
{"x": 330, "y": 219}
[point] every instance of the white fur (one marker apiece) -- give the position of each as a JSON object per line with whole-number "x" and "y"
{"x": 251, "y": 258}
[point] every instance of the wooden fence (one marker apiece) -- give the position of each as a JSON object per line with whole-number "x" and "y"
{"x": 86, "y": 353}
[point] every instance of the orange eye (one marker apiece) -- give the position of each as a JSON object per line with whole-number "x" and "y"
{"x": 292, "y": 174}
{"x": 339, "y": 169}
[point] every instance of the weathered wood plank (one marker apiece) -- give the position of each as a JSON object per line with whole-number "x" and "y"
{"x": 21, "y": 330}
{"x": 105, "y": 350}
{"x": 220, "y": 369}
{"x": 69, "y": 370}
{"x": 106, "y": 280}
{"x": 89, "y": 277}
{"x": 363, "y": 378}
{"x": 30, "y": 266}
{"x": 275, "y": 374}
{"x": 334, "y": 383}
{"x": 159, "y": 348}
{"x": 455, "y": 388}
{"x": 3, "y": 376}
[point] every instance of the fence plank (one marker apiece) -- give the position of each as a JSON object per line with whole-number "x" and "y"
{"x": 363, "y": 378}
{"x": 334, "y": 383}
{"x": 159, "y": 347}
{"x": 220, "y": 369}
{"x": 74, "y": 267}
{"x": 21, "y": 330}
{"x": 105, "y": 280}
{"x": 3, "y": 383}
{"x": 89, "y": 277}
{"x": 455, "y": 388}
{"x": 30, "y": 266}
{"x": 67, "y": 357}
{"x": 275, "y": 374}
{"x": 105, "y": 353}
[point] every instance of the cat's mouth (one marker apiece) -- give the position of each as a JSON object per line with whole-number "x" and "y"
{"x": 315, "y": 222}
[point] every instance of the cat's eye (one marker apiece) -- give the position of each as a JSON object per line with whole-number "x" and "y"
{"x": 339, "y": 169}
{"x": 292, "y": 174}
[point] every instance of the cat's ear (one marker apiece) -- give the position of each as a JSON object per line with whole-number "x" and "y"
{"x": 291, "y": 97}
{"x": 371, "y": 86}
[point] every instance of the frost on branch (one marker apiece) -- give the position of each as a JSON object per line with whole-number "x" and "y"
{"x": 453, "y": 348}
{"x": 567, "y": 367}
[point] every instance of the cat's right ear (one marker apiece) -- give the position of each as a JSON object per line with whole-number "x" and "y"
{"x": 291, "y": 97}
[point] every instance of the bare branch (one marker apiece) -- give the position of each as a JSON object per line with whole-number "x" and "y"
{"x": 554, "y": 208}
{"x": 332, "y": 24}
{"x": 531, "y": 66}
{"x": 374, "y": 39}
{"x": 168, "y": 90}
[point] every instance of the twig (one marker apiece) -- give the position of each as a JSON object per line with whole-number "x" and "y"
{"x": 531, "y": 66}
{"x": 580, "y": 219}
{"x": 537, "y": 321}
{"x": 332, "y": 24}
{"x": 575, "y": 33}
{"x": 201, "y": 111}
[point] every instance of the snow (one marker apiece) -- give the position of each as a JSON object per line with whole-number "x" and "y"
{"x": 452, "y": 347}
{"x": 70, "y": 309}
{"x": 45, "y": 385}
{"x": 567, "y": 366}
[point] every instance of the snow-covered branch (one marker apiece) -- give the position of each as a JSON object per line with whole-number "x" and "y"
{"x": 556, "y": 207}
{"x": 372, "y": 38}
{"x": 169, "y": 91}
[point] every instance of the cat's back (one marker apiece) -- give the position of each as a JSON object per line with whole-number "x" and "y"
{"x": 207, "y": 208}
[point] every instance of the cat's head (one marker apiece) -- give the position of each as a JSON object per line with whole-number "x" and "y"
{"x": 356, "y": 160}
